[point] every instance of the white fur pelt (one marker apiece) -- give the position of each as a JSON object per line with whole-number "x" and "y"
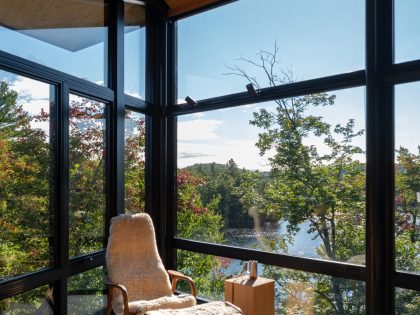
{"x": 132, "y": 260}
{"x": 172, "y": 302}
{"x": 213, "y": 308}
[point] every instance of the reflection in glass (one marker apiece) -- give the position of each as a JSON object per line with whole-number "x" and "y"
{"x": 285, "y": 176}
{"x": 86, "y": 293}
{"x": 87, "y": 175}
{"x": 296, "y": 292}
{"x": 330, "y": 32}
{"x": 36, "y": 301}
{"x": 67, "y": 35}
{"x": 134, "y": 162}
{"x": 407, "y": 24}
{"x": 26, "y": 166}
{"x": 407, "y": 177}
{"x": 134, "y": 50}
{"x": 407, "y": 302}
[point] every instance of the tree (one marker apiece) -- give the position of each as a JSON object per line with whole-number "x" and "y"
{"x": 134, "y": 163}
{"x": 407, "y": 204}
{"x": 324, "y": 189}
{"x": 199, "y": 221}
{"x": 25, "y": 168}
{"x": 86, "y": 175}
{"x": 221, "y": 181}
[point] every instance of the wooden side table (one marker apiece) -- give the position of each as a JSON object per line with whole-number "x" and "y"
{"x": 253, "y": 296}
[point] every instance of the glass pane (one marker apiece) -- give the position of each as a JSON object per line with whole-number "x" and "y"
{"x": 286, "y": 176}
{"x": 295, "y": 292}
{"x": 37, "y": 301}
{"x": 87, "y": 175}
{"x": 135, "y": 50}
{"x": 407, "y": 177}
{"x": 134, "y": 162}
{"x": 304, "y": 39}
{"x": 67, "y": 35}
{"x": 407, "y": 302}
{"x": 407, "y": 25}
{"x": 86, "y": 293}
{"x": 26, "y": 166}
{"x": 208, "y": 272}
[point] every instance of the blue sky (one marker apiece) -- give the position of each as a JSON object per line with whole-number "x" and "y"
{"x": 315, "y": 39}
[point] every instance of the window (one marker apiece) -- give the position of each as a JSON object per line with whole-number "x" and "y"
{"x": 256, "y": 177}
{"x": 86, "y": 292}
{"x": 36, "y": 301}
{"x": 407, "y": 38}
{"x": 62, "y": 167}
{"x": 57, "y": 138}
{"x": 240, "y": 193}
{"x": 87, "y": 175}
{"x": 407, "y": 301}
{"x": 407, "y": 178}
{"x": 295, "y": 292}
{"x": 26, "y": 168}
{"x": 306, "y": 39}
{"x": 134, "y": 50}
{"x": 134, "y": 162}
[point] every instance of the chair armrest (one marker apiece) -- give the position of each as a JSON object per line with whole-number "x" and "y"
{"x": 176, "y": 275}
{"x": 111, "y": 286}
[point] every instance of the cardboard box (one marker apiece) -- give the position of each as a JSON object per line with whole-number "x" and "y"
{"x": 253, "y": 296}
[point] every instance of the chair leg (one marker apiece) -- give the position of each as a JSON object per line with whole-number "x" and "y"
{"x": 109, "y": 302}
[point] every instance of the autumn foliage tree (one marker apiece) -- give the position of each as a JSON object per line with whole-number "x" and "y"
{"x": 198, "y": 221}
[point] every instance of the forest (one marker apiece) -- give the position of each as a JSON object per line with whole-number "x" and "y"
{"x": 324, "y": 191}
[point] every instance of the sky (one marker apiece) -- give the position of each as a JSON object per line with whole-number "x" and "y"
{"x": 314, "y": 38}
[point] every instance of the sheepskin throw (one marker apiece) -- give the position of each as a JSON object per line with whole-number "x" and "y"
{"x": 133, "y": 260}
{"x": 166, "y": 302}
{"x": 213, "y": 308}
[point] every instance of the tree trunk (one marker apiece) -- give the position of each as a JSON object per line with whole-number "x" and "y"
{"x": 337, "y": 296}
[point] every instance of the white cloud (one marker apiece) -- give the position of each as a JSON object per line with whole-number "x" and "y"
{"x": 33, "y": 107}
{"x": 198, "y": 129}
{"x": 33, "y": 95}
{"x": 30, "y": 89}
{"x": 243, "y": 152}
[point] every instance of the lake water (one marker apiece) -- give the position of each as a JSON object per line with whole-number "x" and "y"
{"x": 303, "y": 244}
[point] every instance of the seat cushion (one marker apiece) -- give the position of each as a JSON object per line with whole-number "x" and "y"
{"x": 212, "y": 308}
{"x": 142, "y": 306}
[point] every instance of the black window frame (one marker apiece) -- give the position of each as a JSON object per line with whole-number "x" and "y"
{"x": 379, "y": 78}
{"x": 160, "y": 109}
{"x": 116, "y": 102}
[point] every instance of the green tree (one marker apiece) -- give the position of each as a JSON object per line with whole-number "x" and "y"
{"x": 324, "y": 189}
{"x": 407, "y": 204}
{"x": 25, "y": 166}
{"x": 135, "y": 135}
{"x": 86, "y": 175}
{"x": 221, "y": 181}
{"x": 199, "y": 221}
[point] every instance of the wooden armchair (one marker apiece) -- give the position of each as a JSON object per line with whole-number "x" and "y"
{"x": 137, "y": 280}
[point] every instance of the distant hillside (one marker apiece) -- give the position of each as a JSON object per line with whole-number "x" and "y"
{"x": 221, "y": 182}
